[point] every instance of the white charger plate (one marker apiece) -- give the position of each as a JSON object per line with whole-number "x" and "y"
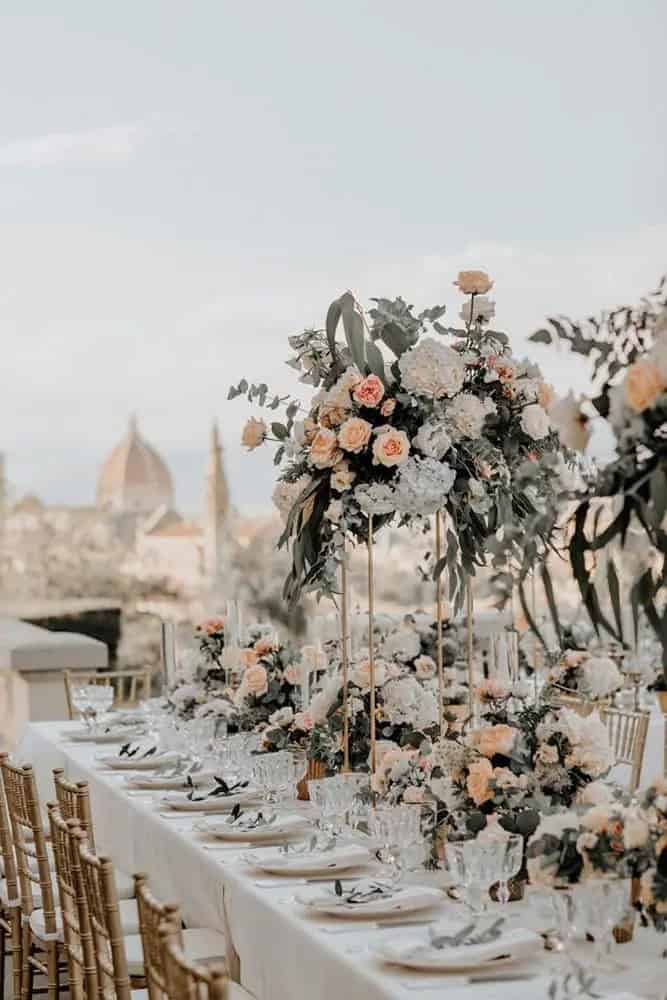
{"x": 138, "y": 763}
{"x": 116, "y": 734}
{"x": 181, "y": 803}
{"x": 513, "y": 946}
{"x": 326, "y": 862}
{"x": 409, "y": 899}
{"x": 282, "y": 826}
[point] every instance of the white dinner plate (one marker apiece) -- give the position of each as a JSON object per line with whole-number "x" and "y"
{"x": 340, "y": 859}
{"x": 137, "y": 763}
{"x": 158, "y": 783}
{"x": 111, "y": 734}
{"x": 510, "y": 947}
{"x": 283, "y": 826}
{"x": 408, "y": 899}
{"x": 180, "y": 802}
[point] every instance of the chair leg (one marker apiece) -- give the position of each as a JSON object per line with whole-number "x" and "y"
{"x": 3, "y": 963}
{"x": 26, "y": 967}
{"x": 53, "y": 978}
{"x": 17, "y": 955}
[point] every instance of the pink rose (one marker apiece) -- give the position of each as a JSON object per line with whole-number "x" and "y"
{"x": 255, "y": 680}
{"x": 369, "y": 392}
{"x": 303, "y": 721}
{"x": 264, "y": 646}
{"x": 474, "y": 282}
{"x": 213, "y": 626}
{"x": 391, "y": 448}
{"x": 254, "y": 434}
{"x": 643, "y": 385}
{"x": 388, "y": 407}
{"x": 354, "y": 435}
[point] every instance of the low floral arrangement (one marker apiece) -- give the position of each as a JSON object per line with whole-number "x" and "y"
{"x": 435, "y": 419}
{"x": 270, "y": 678}
{"x": 200, "y": 688}
{"x": 590, "y": 676}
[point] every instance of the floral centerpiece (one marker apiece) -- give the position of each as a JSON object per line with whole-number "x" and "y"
{"x": 410, "y": 418}
{"x": 270, "y": 678}
{"x": 584, "y": 674}
{"x": 200, "y": 688}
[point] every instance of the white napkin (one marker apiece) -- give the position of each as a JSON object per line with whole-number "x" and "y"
{"x": 517, "y": 943}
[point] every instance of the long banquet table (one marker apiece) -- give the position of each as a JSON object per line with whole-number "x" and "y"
{"x": 280, "y": 953}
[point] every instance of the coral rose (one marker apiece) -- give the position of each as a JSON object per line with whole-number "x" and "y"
{"x": 369, "y": 392}
{"x": 254, "y": 434}
{"x": 474, "y": 282}
{"x": 480, "y": 773}
{"x": 354, "y": 435}
{"x": 643, "y": 385}
{"x": 292, "y": 674}
{"x": 324, "y": 449}
{"x": 213, "y": 626}
{"x": 264, "y": 646}
{"x": 413, "y": 795}
{"x": 255, "y": 680}
{"x": 391, "y": 448}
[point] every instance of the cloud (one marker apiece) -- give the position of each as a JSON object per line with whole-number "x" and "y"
{"x": 115, "y": 144}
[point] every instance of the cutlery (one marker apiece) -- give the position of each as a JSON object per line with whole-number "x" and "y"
{"x": 267, "y": 883}
{"x": 453, "y": 980}
{"x": 381, "y": 925}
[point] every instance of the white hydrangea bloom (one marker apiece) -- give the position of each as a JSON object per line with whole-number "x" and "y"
{"x": 423, "y": 484}
{"x": 432, "y": 369}
{"x": 376, "y": 498}
{"x": 484, "y": 309}
{"x": 432, "y": 439}
{"x": 285, "y": 495}
{"x": 535, "y": 421}
{"x": 403, "y": 644}
{"x": 466, "y": 414}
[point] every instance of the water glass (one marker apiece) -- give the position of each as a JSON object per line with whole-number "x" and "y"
{"x": 320, "y": 794}
{"x": 199, "y": 735}
{"x": 510, "y": 864}
{"x": 397, "y": 828}
{"x": 476, "y": 866}
{"x": 606, "y": 903}
{"x": 272, "y": 773}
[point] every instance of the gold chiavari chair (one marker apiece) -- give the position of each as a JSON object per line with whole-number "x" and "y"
{"x": 130, "y": 686}
{"x": 73, "y": 907}
{"x": 200, "y": 945}
{"x": 42, "y": 938}
{"x": 627, "y": 735}
{"x": 74, "y": 801}
{"x": 185, "y": 980}
{"x": 10, "y": 905}
{"x": 113, "y": 977}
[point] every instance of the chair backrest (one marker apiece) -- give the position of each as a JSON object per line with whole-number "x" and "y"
{"x": 74, "y": 802}
{"x": 185, "y": 980}
{"x": 7, "y": 853}
{"x": 32, "y": 860}
{"x": 76, "y": 920}
{"x": 152, "y": 915}
{"x": 627, "y": 735}
{"x": 578, "y": 703}
{"x": 101, "y": 896}
{"x": 130, "y": 686}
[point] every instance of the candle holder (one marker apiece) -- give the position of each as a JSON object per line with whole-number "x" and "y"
{"x": 438, "y": 621}
{"x": 168, "y": 653}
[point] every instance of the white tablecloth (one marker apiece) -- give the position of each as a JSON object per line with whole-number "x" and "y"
{"x": 284, "y": 955}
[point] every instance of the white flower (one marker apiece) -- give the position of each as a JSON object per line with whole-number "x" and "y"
{"x": 361, "y": 674}
{"x": 658, "y": 353}
{"x": 596, "y": 793}
{"x": 484, "y": 309}
{"x": 425, "y": 667}
{"x": 467, "y": 414}
{"x": 535, "y": 421}
{"x": 184, "y": 693}
{"x": 376, "y": 498}
{"x": 570, "y": 422}
{"x": 589, "y": 742}
{"x": 189, "y": 662}
{"x": 404, "y": 645}
{"x": 215, "y": 708}
{"x": 432, "y": 439}
{"x": 285, "y": 494}
{"x": 282, "y": 717}
{"x": 423, "y": 484}
{"x": 600, "y": 677}
{"x": 432, "y": 369}
{"x": 401, "y": 700}
{"x": 334, "y": 511}
{"x": 635, "y": 832}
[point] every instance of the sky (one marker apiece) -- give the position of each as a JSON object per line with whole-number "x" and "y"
{"x": 183, "y": 186}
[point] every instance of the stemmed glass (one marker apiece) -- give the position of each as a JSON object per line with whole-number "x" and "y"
{"x": 319, "y": 792}
{"x": 199, "y": 734}
{"x": 476, "y": 866}
{"x": 397, "y": 828}
{"x": 510, "y": 865}
{"x": 272, "y": 773}
{"x": 93, "y": 702}
{"x": 606, "y": 902}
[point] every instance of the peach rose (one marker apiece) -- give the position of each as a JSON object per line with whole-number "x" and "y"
{"x": 388, "y": 407}
{"x": 324, "y": 449}
{"x": 474, "y": 282}
{"x": 249, "y": 657}
{"x": 254, "y": 434}
{"x": 354, "y": 435}
{"x": 331, "y": 414}
{"x": 391, "y": 448}
{"x": 369, "y": 392}
{"x": 255, "y": 680}
{"x": 293, "y": 674}
{"x": 342, "y": 477}
{"x": 264, "y": 646}
{"x": 546, "y": 395}
{"x": 494, "y": 739}
{"x": 212, "y": 626}
{"x": 480, "y": 773}
{"x": 643, "y": 385}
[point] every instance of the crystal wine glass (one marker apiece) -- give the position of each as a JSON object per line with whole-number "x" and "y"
{"x": 510, "y": 863}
